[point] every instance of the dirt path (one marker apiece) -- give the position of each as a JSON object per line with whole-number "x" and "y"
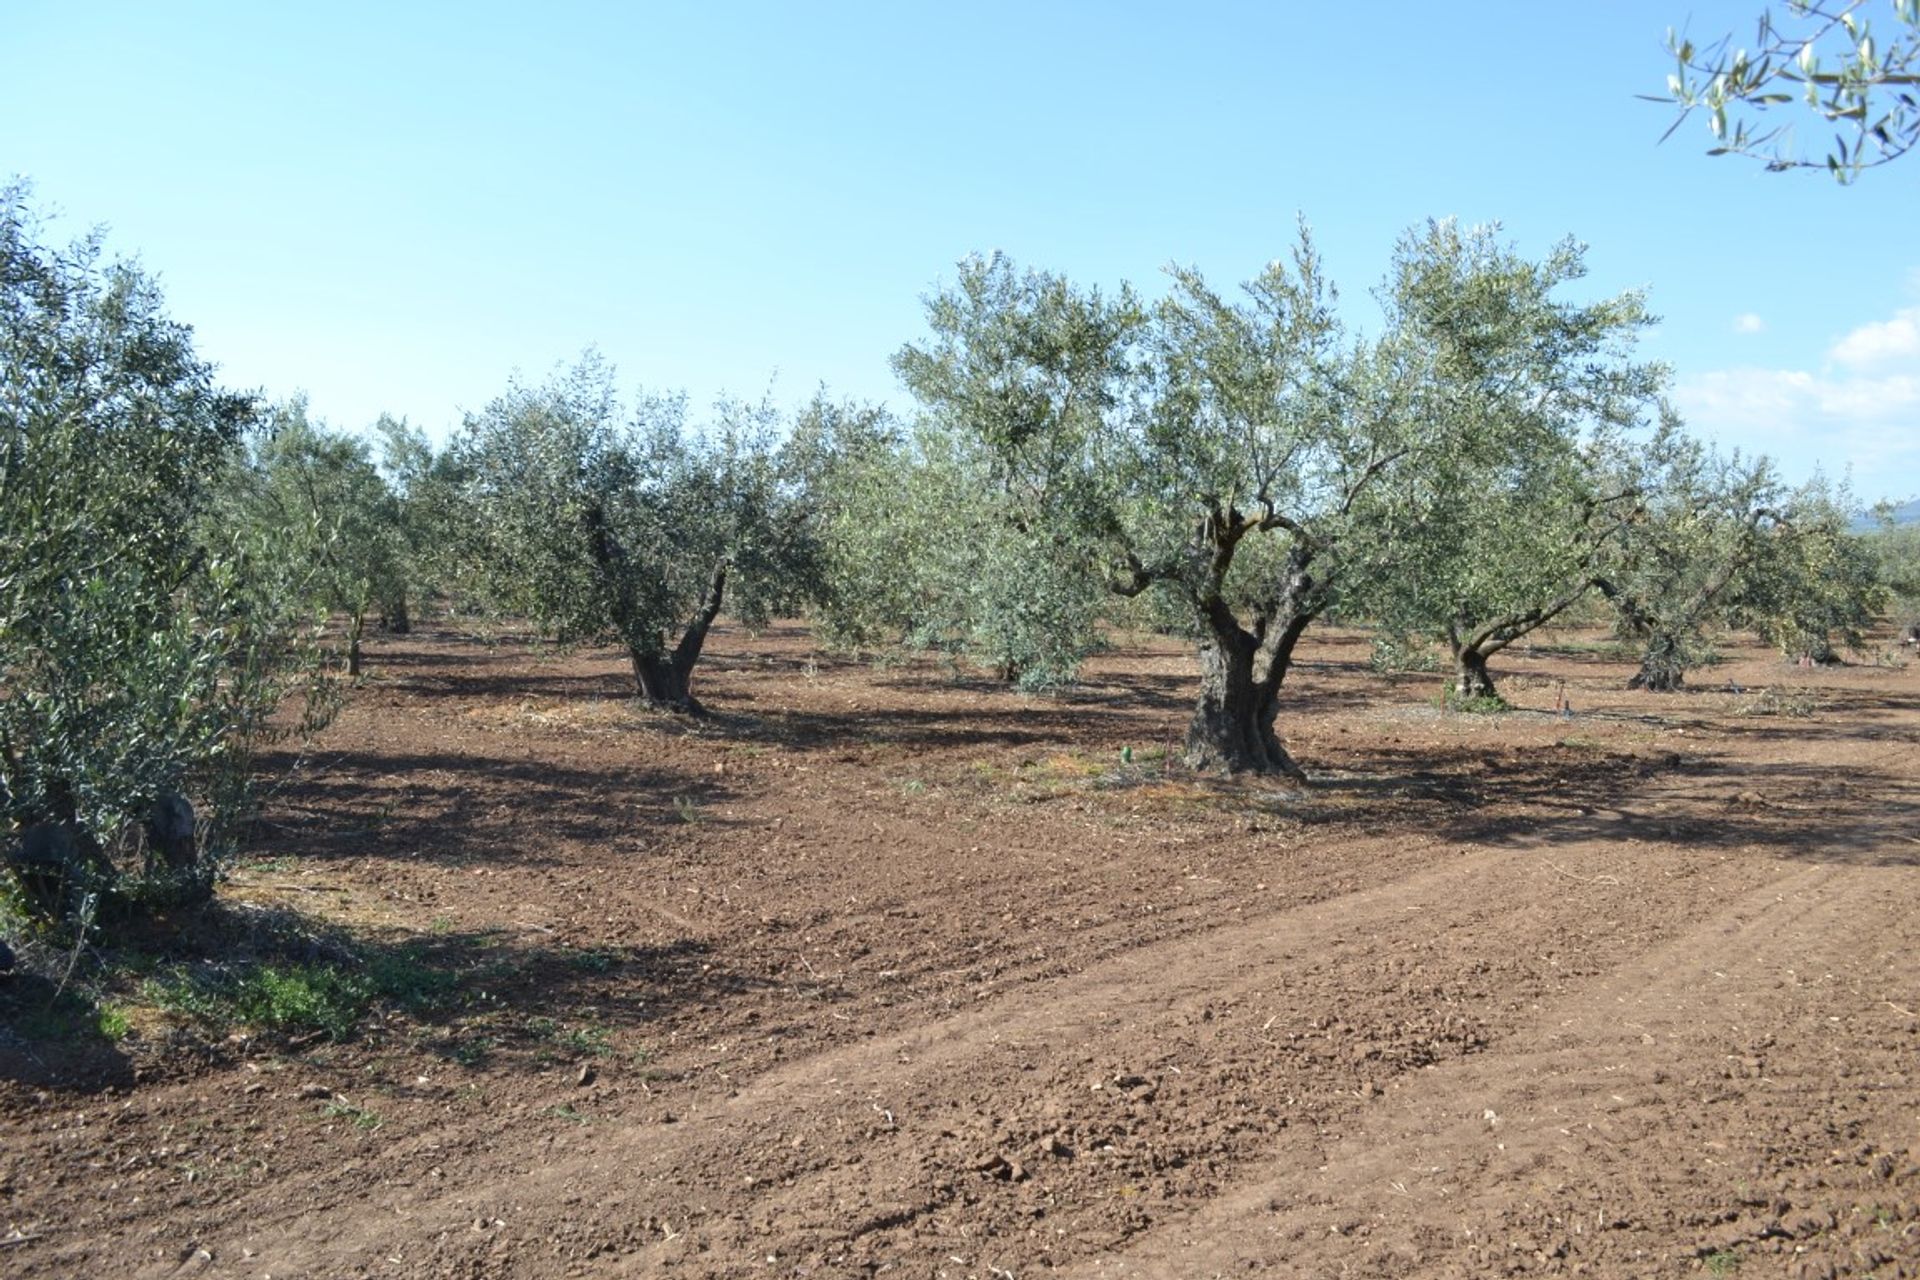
{"x": 942, "y": 989}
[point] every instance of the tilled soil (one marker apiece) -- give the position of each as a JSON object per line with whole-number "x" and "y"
{"x": 882, "y": 971}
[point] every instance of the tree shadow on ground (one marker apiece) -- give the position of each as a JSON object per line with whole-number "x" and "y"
{"x": 459, "y": 808}
{"x": 1570, "y": 795}
{"x": 52, "y": 1037}
{"x": 232, "y": 980}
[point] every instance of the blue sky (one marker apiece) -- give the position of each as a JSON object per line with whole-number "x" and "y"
{"x": 394, "y": 207}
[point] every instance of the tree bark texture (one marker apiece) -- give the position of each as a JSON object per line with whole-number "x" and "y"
{"x": 1241, "y": 671}
{"x": 1471, "y": 679}
{"x": 1232, "y": 729}
{"x": 394, "y": 618}
{"x": 662, "y": 682}
{"x": 665, "y": 680}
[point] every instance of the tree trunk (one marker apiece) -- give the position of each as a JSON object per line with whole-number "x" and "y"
{"x": 354, "y": 631}
{"x": 1232, "y": 726}
{"x": 1663, "y": 668}
{"x": 665, "y": 682}
{"x": 394, "y": 619}
{"x": 1471, "y": 679}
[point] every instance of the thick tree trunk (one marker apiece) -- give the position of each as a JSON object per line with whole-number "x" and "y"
{"x": 1471, "y": 679}
{"x": 1663, "y": 668}
{"x": 1232, "y": 729}
{"x": 665, "y": 683}
{"x": 354, "y": 631}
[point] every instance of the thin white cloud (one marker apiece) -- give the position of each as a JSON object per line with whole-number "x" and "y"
{"x": 1748, "y": 322}
{"x": 1808, "y": 421}
{"x": 1881, "y": 342}
{"x": 1857, "y": 413}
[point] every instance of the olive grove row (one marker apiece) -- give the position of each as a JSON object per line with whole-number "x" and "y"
{"x": 1229, "y": 466}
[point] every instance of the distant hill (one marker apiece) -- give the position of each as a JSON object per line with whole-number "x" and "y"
{"x": 1905, "y": 513}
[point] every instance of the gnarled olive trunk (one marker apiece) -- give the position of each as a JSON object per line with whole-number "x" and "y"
{"x": 1232, "y": 729}
{"x": 394, "y": 616}
{"x": 1471, "y": 679}
{"x": 665, "y": 679}
{"x": 1241, "y": 667}
{"x": 662, "y": 678}
{"x": 1241, "y": 671}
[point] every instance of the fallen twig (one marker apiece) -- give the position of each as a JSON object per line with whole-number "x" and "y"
{"x": 1582, "y": 879}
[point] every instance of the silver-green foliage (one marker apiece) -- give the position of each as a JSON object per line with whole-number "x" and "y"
{"x": 1550, "y": 426}
{"x": 922, "y": 550}
{"x": 1896, "y": 547}
{"x": 1702, "y": 524}
{"x": 1821, "y": 61}
{"x": 1818, "y": 585}
{"x": 1211, "y": 449}
{"x": 140, "y": 655}
{"x": 317, "y": 496}
{"x": 991, "y": 503}
{"x": 602, "y": 527}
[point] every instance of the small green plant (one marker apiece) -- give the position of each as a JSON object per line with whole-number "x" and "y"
{"x": 566, "y": 1111}
{"x": 686, "y": 809}
{"x": 1480, "y": 705}
{"x": 588, "y": 1042}
{"x": 1722, "y": 1262}
{"x": 1798, "y": 704}
{"x": 299, "y": 999}
{"x": 407, "y": 979}
{"x": 1396, "y": 653}
{"x": 302, "y": 998}
{"x": 69, "y": 1018}
{"x": 111, "y": 1021}
{"x": 475, "y": 1050}
{"x": 594, "y": 960}
{"x": 341, "y": 1109}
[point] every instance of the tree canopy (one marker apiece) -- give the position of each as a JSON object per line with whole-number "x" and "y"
{"x": 604, "y": 528}
{"x": 140, "y": 658}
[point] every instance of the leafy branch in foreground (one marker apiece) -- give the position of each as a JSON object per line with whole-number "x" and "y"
{"x": 1821, "y": 59}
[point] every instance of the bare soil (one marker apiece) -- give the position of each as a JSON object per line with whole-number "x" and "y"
{"x": 886, "y": 972}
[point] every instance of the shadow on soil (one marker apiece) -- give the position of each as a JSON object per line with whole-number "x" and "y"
{"x": 233, "y": 979}
{"x": 460, "y": 809}
{"x": 52, "y": 1037}
{"x": 1569, "y": 795}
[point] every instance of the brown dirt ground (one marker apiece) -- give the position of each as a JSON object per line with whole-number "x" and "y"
{"x": 883, "y": 972}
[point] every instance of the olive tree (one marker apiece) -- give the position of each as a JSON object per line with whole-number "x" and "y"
{"x": 602, "y": 528}
{"x": 999, "y": 477}
{"x": 318, "y": 494}
{"x": 1897, "y": 549}
{"x": 1212, "y": 449}
{"x": 1704, "y": 524}
{"x": 1550, "y": 428}
{"x": 140, "y": 656}
{"x": 1817, "y": 586}
{"x": 1823, "y": 62}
